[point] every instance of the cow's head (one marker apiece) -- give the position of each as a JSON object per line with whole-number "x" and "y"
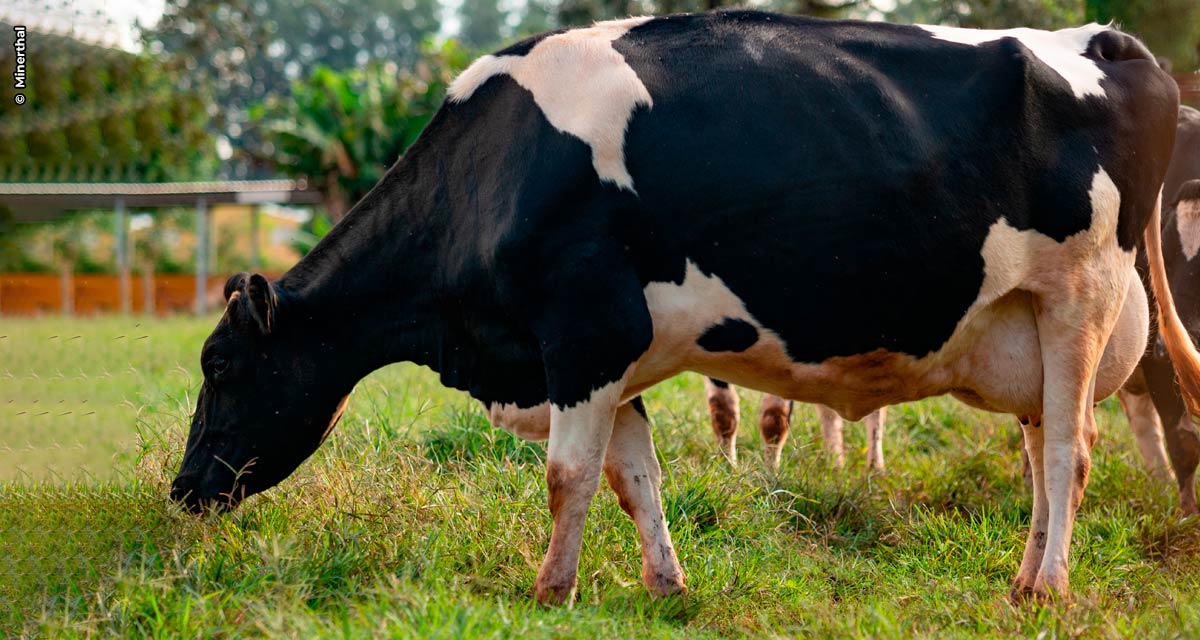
{"x": 269, "y": 398}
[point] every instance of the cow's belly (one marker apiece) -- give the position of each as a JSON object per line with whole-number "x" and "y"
{"x": 992, "y": 361}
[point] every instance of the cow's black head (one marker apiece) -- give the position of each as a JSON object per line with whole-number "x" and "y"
{"x": 269, "y": 398}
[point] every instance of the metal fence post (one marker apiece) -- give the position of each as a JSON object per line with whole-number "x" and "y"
{"x": 201, "y": 256}
{"x": 126, "y": 290}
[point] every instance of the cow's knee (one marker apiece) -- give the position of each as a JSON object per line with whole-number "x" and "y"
{"x": 774, "y": 423}
{"x": 723, "y": 409}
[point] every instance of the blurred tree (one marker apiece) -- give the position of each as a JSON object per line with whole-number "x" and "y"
{"x": 990, "y": 14}
{"x": 250, "y": 50}
{"x": 578, "y": 12}
{"x": 483, "y": 24}
{"x": 95, "y": 113}
{"x": 344, "y": 129}
{"x": 1171, "y": 28}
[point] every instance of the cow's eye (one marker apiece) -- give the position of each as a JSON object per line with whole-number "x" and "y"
{"x": 218, "y": 365}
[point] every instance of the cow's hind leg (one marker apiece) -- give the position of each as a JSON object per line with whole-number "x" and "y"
{"x": 634, "y": 475}
{"x": 1035, "y": 544}
{"x": 1071, "y": 336}
{"x": 1143, "y": 420}
{"x": 875, "y": 422}
{"x": 831, "y": 435}
{"x": 724, "y": 410}
{"x": 1182, "y": 437}
{"x": 774, "y": 423}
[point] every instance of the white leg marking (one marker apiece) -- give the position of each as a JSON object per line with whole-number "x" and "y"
{"x": 634, "y": 475}
{"x": 579, "y": 438}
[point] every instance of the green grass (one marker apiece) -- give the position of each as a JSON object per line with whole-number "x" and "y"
{"x": 417, "y": 519}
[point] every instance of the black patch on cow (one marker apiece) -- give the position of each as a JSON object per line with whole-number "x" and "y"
{"x": 851, "y": 189}
{"x": 639, "y": 407}
{"x": 720, "y": 384}
{"x": 1185, "y": 159}
{"x": 1190, "y": 190}
{"x": 523, "y": 47}
{"x": 811, "y": 165}
{"x": 731, "y": 335}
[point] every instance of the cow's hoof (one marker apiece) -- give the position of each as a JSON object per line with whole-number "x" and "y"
{"x": 554, "y": 595}
{"x": 1020, "y": 594}
{"x": 1052, "y": 590}
{"x": 662, "y": 585}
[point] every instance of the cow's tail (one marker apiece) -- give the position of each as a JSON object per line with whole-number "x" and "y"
{"x": 1170, "y": 328}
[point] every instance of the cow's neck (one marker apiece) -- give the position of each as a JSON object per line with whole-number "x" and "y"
{"x": 369, "y": 287}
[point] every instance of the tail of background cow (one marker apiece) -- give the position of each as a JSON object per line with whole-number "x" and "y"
{"x": 1179, "y": 344}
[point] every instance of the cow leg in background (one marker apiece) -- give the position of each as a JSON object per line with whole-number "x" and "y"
{"x": 875, "y": 422}
{"x": 831, "y": 434}
{"x": 1143, "y": 420}
{"x": 774, "y": 422}
{"x": 1026, "y": 467}
{"x": 634, "y": 475}
{"x": 1183, "y": 441}
{"x": 579, "y": 437}
{"x": 724, "y": 410}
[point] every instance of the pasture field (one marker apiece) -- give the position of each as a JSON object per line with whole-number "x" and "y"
{"x": 417, "y": 519}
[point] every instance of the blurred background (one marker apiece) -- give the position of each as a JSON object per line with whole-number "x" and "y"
{"x": 165, "y": 144}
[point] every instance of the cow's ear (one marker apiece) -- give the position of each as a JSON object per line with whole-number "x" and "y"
{"x": 261, "y": 302}
{"x": 236, "y": 282}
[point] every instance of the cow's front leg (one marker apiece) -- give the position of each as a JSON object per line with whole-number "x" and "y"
{"x": 634, "y": 475}
{"x": 724, "y": 411}
{"x": 831, "y": 434}
{"x": 579, "y": 437}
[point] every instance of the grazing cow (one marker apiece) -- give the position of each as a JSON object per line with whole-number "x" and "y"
{"x": 774, "y": 423}
{"x": 1151, "y": 398}
{"x": 593, "y": 211}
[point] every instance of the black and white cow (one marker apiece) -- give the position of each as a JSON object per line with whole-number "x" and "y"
{"x": 1151, "y": 398}
{"x": 589, "y": 204}
{"x": 774, "y": 424}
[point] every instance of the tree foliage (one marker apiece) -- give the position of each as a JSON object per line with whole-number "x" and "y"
{"x": 249, "y": 51}
{"x": 100, "y": 114}
{"x": 343, "y": 129}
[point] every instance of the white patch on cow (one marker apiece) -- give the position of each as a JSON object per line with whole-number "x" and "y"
{"x": 1187, "y": 223}
{"x": 582, "y": 85}
{"x": 1060, "y": 50}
